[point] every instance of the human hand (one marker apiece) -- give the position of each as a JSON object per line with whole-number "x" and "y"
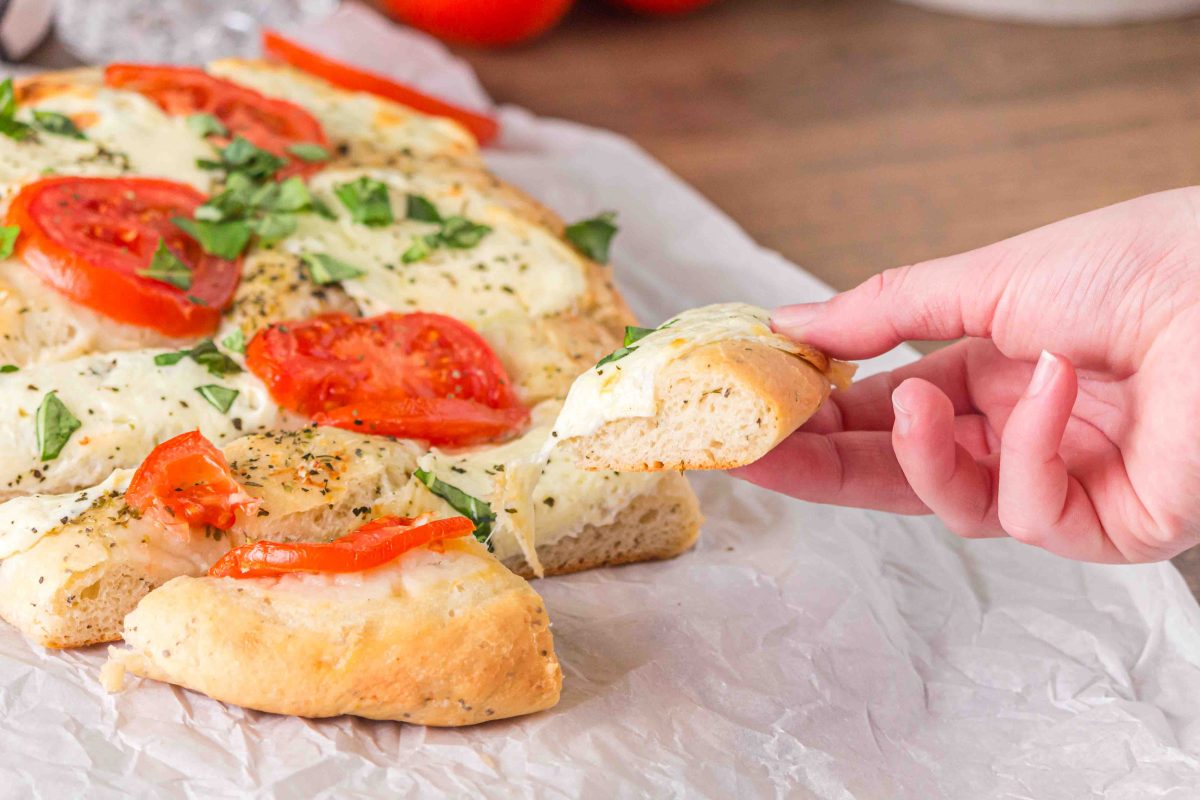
{"x": 1070, "y": 420}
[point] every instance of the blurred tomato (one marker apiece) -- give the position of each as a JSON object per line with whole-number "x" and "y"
{"x": 480, "y": 22}
{"x": 662, "y": 6}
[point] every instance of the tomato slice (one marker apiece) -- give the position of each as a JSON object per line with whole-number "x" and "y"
{"x": 90, "y": 237}
{"x": 268, "y": 123}
{"x": 483, "y": 127}
{"x": 371, "y": 545}
{"x": 442, "y": 421}
{"x": 417, "y": 375}
{"x": 186, "y": 481}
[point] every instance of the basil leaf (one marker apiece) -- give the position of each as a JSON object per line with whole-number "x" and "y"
{"x": 615, "y": 355}
{"x": 55, "y": 424}
{"x": 306, "y": 151}
{"x": 242, "y": 156}
{"x": 421, "y": 209}
{"x": 58, "y": 124}
{"x": 634, "y": 334}
{"x": 166, "y": 267}
{"x": 9, "y": 125}
{"x": 460, "y": 233}
{"x": 293, "y": 196}
{"x": 219, "y": 397}
{"x": 206, "y": 355}
{"x": 8, "y": 239}
{"x": 221, "y": 239}
{"x": 367, "y": 201}
{"x": 235, "y": 342}
{"x": 6, "y": 368}
{"x": 326, "y": 269}
{"x": 470, "y": 507}
{"x": 419, "y": 250}
{"x": 206, "y": 125}
{"x": 271, "y": 228}
{"x": 592, "y": 237}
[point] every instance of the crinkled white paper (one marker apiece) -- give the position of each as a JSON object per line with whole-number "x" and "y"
{"x": 798, "y": 651}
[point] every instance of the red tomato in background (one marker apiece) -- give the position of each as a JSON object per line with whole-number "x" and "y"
{"x": 480, "y": 22}
{"x": 664, "y": 7}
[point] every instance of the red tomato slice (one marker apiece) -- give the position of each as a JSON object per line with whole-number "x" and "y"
{"x": 480, "y": 22}
{"x": 438, "y": 421}
{"x": 268, "y": 123}
{"x": 89, "y": 238}
{"x": 376, "y": 543}
{"x": 186, "y": 480}
{"x": 484, "y": 128}
{"x": 416, "y": 375}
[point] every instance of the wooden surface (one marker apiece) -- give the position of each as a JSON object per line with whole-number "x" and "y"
{"x": 853, "y": 135}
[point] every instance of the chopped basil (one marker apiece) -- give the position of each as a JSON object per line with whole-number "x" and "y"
{"x": 166, "y": 267}
{"x": 241, "y": 156}
{"x": 206, "y": 125}
{"x": 633, "y": 335}
{"x": 306, "y": 151}
{"x": 55, "y": 424}
{"x": 326, "y": 269}
{"x": 10, "y": 126}
{"x": 460, "y": 233}
{"x": 221, "y": 239}
{"x": 470, "y": 507}
{"x": 8, "y": 239}
{"x": 418, "y": 250}
{"x": 291, "y": 195}
{"x": 592, "y": 237}
{"x": 235, "y": 342}
{"x": 367, "y": 201}
{"x": 6, "y": 368}
{"x": 271, "y": 228}
{"x": 220, "y": 397}
{"x": 58, "y": 124}
{"x": 206, "y": 355}
{"x": 421, "y": 209}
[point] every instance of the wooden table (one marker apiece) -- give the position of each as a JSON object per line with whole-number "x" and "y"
{"x": 853, "y": 135}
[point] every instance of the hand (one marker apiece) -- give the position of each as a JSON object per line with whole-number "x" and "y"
{"x": 1069, "y": 420}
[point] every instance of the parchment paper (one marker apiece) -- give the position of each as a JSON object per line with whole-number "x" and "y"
{"x": 799, "y": 651}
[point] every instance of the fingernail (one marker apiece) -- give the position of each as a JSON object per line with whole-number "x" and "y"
{"x": 796, "y": 316}
{"x": 903, "y": 415}
{"x": 1042, "y": 373}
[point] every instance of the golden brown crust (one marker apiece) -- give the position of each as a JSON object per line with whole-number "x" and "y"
{"x": 721, "y": 406}
{"x": 452, "y": 654}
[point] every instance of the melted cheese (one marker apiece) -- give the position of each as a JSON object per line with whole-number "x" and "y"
{"x": 126, "y": 133}
{"x": 126, "y": 405}
{"x": 362, "y": 121}
{"x": 565, "y": 500}
{"x": 625, "y": 388}
{"x": 518, "y": 270}
{"x": 25, "y": 520}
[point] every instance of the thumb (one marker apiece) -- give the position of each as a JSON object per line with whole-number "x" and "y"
{"x": 946, "y": 298}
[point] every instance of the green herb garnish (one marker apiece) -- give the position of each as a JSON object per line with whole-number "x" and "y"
{"x": 306, "y": 151}
{"x": 421, "y": 209}
{"x": 206, "y": 355}
{"x": 419, "y": 250}
{"x": 58, "y": 124}
{"x": 166, "y": 267}
{"x": 55, "y": 424}
{"x": 8, "y": 239}
{"x": 235, "y": 342}
{"x": 243, "y": 157}
{"x": 221, "y": 239}
{"x": 220, "y": 397}
{"x": 325, "y": 269}
{"x": 470, "y": 507}
{"x": 6, "y": 368}
{"x": 457, "y": 232}
{"x": 460, "y": 233}
{"x": 206, "y": 125}
{"x": 10, "y": 126}
{"x": 592, "y": 237}
{"x": 633, "y": 335}
{"x": 367, "y": 201}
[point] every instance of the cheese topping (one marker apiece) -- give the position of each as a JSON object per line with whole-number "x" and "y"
{"x": 126, "y": 133}
{"x": 363, "y": 121}
{"x": 565, "y": 500}
{"x": 125, "y": 405}
{"x": 517, "y": 269}
{"x": 25, "y": 520}
{"x": 624, "y": 387}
